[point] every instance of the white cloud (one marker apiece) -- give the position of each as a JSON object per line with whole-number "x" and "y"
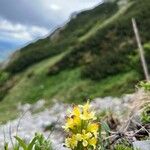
{"x": 32, "y": 20}
{"x": 22, "y": 21}
{"x": 43, "y": 13}
{"x": 21, "y": 32}
{"x": 55, "y": 7}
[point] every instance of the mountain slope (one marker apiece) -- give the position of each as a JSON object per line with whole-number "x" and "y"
{"x": 57, "y": 41}
{"x": 93, "y": 55}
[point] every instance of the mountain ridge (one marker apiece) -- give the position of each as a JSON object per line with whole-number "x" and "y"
{"x": 105, "y": 63}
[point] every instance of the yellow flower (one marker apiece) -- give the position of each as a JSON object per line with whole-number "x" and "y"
{"x": 72, "y": 122}
{"x": 93, "y": 128}
{"x": 87, "y": 114}
{"x": 79, "y": 137}
{"x": 71, "y": 142}
{"x": 76, "y": 111}
{"x": 80, "y": 126}
{"x": 86, "y": 107}
{"x": 93, "y": 142}
{"x": 75, "y": 115}
{"x": 76, "y": 120}
{"x": 69, "y": 124}
{"x": 85, "y": 137}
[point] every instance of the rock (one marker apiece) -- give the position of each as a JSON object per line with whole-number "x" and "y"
{"x": 127, "y": 98}
{"x": 29, "y": 123}
{"x": 142, "y": 145}
{"x": 38, "y": 105}
{"x": 24, "y": 108}
{"x": 110, "y": 103}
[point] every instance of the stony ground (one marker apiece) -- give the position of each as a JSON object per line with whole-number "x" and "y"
{"x": 27, "y": 124}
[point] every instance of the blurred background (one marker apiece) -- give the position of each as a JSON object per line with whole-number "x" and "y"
{"x": 54, "y": 51}
{"x": 69, "y": 51}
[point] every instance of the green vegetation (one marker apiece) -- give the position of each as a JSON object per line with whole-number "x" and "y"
{"x": 111, "y": 47}
{"x": 100, "y": 26}
{"x": 56, "y": 44}
{"x": 145, "y": 85}
{"x": 34, "y": 84}
{"x": 4, "y": 76}
{"x": 122, "y": 147}
{"x": 93, "y": 55}
{"x": 39, "y": 142}
{"x": 145, "y": 115}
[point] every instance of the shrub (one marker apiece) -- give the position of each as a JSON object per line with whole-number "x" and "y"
{"x": 3, "y": 77}
{"x": 109, "y": 64}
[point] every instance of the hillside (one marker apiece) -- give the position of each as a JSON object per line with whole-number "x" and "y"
{"x": 93, "y": 55}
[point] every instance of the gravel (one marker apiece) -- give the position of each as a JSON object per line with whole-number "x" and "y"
{"x": 28, "y": 124}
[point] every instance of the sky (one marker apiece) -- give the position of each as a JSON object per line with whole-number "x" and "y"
{"x": 22, "y": 21}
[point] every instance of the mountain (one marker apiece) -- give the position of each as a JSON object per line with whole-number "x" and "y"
{"x": 93, "y": 55}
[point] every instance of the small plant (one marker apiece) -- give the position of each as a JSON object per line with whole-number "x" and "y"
{"x": 145, "y": 115}
{"x": 145, "y": 85}
{"x": 122, "y": 147}
{"x": 41, "y": 143}
{"x": 37, "y": 143}
{"x": 81, "y": 128}
{"x": 6, "y": 146}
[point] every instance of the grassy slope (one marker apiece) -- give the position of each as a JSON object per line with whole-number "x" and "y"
{"x": 112, "y": 42}
{"x": 100, "y": 26}
{"x": 49, "y": 46}
{"x": 67, "y": 85}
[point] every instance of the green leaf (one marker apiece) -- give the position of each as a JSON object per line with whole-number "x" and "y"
{"x": 16, "y": 147}
{"x": 32, "y": 143}
{"x": 106, "y": 127}
{"x": 6, "y": 146}
{"x": 21, "y": 142}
